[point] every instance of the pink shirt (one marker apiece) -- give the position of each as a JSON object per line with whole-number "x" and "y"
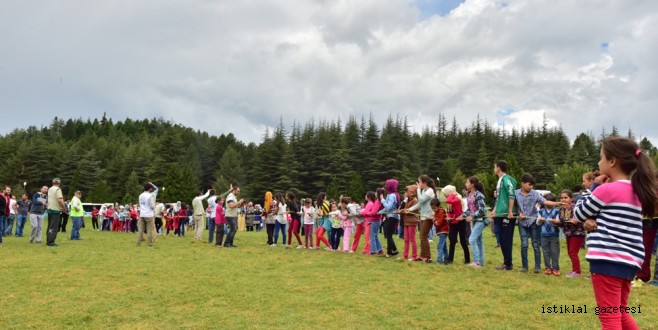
{"x": 369, "y": 212}
{"x": 219, "y": 215}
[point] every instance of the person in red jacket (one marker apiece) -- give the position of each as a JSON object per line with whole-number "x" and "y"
{"x": 457, "y": 223}
{"x": 442, "y": 230}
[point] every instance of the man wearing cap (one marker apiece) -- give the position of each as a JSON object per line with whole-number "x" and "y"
{"x": 147, "y": 213}
{"x": 77, "y": 214}
{"x": 55, "y": 207}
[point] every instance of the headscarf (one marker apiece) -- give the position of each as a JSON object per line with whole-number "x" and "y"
{"x": 268, "y": 201}
{"x": 392, "y": 188}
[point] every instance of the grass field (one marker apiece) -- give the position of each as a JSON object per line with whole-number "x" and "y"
{"x": 104, "y": 281}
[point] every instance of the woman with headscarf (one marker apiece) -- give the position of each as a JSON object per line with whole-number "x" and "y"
{"x": 390, "y": 202}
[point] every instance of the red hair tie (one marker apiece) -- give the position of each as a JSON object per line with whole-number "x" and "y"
{"x": 637, "y": 153}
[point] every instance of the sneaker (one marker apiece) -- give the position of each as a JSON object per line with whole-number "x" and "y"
{"x": 637, "y": 283}
{"x": 548, "y": 271}
{"x": 350, "y": 251}
{"x": 573, "y": 274}
{"x": 52, "y": 245}
{"x": 654, "y": 283}
{"x": 524, "y": 270}
{"x": 537, "y": 271}
{"x": 503, "y": 267}
{"x": 411, "y": 259}
{"x": 300, "y": 246}
{"x": 556, "y": 272}
{"x": 272, "y": 245}
{"x": 476, "y": 265}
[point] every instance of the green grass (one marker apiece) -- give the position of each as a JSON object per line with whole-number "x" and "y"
{"x": 104, "y": 281}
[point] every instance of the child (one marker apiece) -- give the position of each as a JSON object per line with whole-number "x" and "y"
{"x": 390, "y": 202}
{"x": 371, "y": 216}
{"x": 308, "y": 210}
{"x": 456, "y": 223}
{"x": 573, "y": 230}
{"x": 442, "y": 231}
{"x": 527, "y": 199}
{"x": 425, "y": 192}
{"x": 548, "y": 219}
{"x": 613, "y": 216}
{"x": 295, "y": 220}
{"x": 410, "y": 221}
{"x": 346, "y": 222}
{"x": 336, "y": 226}
{"x": 324, "y": 224}
{"x": 220, "y": 221}
{"x": 181, "y": 215}
{"x": 357, "y": 219}
{"x": 169, "y": 220}
{"x": 475, "y": 214}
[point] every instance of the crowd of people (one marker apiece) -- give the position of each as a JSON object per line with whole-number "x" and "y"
{"x": 614, "y": 214}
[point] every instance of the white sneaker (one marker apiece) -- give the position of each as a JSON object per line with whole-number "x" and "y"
{"x": 300, "y": 246}
{"x": 637, "y": 283}
{"x": 273, "y": 245}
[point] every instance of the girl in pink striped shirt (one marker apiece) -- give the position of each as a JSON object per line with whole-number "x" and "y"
{"x": 612, "y": 214}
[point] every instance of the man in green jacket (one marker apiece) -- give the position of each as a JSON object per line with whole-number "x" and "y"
{"x": 504, "y": 212}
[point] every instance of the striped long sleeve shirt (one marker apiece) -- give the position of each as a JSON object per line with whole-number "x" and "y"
{"x": 615, "y": 248}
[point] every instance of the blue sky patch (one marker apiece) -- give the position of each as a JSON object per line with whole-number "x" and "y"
{"x": 430, "y": 8}
{"x": 605, "y": 45}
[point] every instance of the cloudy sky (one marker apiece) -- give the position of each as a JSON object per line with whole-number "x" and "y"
{"x": 238, "y": 66}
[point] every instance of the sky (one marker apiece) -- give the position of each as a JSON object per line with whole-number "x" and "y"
{"x": 239, "y": 67}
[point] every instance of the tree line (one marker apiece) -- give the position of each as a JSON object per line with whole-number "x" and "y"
{"x": 110, "y": 161}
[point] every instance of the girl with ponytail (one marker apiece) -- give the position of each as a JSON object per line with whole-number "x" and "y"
{"x": 612, "y": 215}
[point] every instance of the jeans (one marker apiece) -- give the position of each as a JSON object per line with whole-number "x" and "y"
{"x": 431, "y": 234}
{"x": 75, "y": 231}
{"x": 531, "y": 232}
{"x": 496, "y": 229}
{"x": 220, "y": 233}
{"x": 36, "y": 220}
{"x": 410, "y": 242}
{"x": 293, "y": 230}
{"x": 270, "y": 233}
{"x": 20, "y": 224}
{"x": 211, "y": 229}
{"x": 441, "y": 248}
{"x": 64, "y": 220}
{"x": 389, "y": 232}
{"x": 9, "y": 224}
{"x": 232, "y": 228}
{"x": 573, "y": 248}
{"x": 279, "y": 227}
{"x": 2, "y": 226}
{"x": 477, "y": 243}
{"x": 336, "y": 234}
{"x": 506, "y": 239}
{"x": 375, "y": 244}
{"x": 611, "y": 292}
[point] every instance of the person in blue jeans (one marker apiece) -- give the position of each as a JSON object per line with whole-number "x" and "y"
{"x": 23, "y": 207}
{"x": 475, "y": 214}
{"x": 527, "y": 199}
{"x": 442, "y": 230}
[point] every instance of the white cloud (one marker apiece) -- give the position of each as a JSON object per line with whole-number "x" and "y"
{"x": 238, "y": 67}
